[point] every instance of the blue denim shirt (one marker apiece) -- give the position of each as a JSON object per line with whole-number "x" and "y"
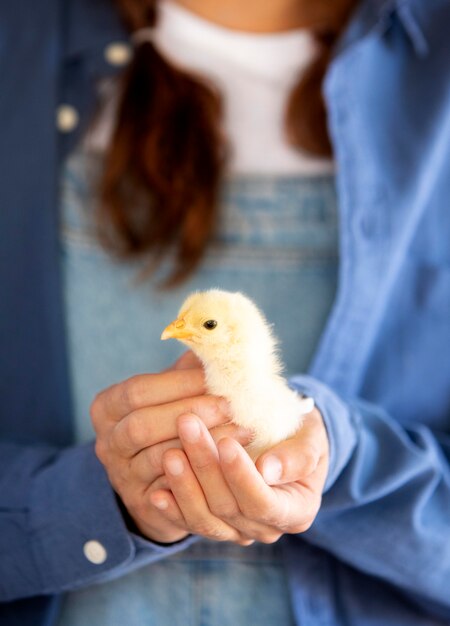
{"x": 379, "y": 551}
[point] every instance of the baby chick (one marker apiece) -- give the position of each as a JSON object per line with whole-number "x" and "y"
{"x": 235, "y": 343}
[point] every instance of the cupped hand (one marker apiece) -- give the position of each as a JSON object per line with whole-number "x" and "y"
{"x": 209, "y": 484}
{"x": 136, "y": 423}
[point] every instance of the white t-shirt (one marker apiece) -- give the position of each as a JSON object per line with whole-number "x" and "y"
{"x": 254, "y": 73}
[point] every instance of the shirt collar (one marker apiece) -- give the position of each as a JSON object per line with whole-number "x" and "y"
{"x": 377, "y": 15}
{"x": 411, "y": 14}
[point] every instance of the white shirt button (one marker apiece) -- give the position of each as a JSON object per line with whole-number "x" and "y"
{"x": 118, "y": 53}
{"x": 95, "y": 552}
{"x": 67, "y": 118}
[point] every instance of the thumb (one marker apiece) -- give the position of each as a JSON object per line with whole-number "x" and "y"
{"x": 294, "y": 458}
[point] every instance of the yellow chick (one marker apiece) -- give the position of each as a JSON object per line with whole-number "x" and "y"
{"x": 235, "y": 343}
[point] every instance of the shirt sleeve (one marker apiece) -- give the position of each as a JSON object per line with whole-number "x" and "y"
{"x": 386, "y": 506}
{"x": 52, "y": 504}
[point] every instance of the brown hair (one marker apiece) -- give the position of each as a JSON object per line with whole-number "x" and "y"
{"x": 160, "y": 185}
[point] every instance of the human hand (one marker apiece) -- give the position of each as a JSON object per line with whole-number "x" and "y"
{"x": 136, "y": 422}
{"x": 211, "y": 485}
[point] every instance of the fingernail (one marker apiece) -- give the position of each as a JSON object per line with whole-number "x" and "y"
{"x": 175, "y": 466}
{"x": 190, "y": 430}
{"x": 250, "y": 542}
{"x": 161, "y": 504}
{"x": 227, "y": 452}
{"x": 272, "y": 469}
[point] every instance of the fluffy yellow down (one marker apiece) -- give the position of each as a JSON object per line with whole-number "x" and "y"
{"x": 237, "y": 347}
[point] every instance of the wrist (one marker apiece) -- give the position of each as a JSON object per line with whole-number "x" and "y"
{"x": 134, "y": 528}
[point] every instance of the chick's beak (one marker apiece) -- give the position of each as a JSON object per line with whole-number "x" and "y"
{"x": 176, "y": 330}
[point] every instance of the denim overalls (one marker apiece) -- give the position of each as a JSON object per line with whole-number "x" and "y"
{"x": 277, "y": 242}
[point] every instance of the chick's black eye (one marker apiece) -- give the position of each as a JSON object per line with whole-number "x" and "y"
{"x": 210, "y": 324}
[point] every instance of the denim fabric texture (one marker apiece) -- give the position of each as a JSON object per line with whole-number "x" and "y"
{"x": 201, "y": 586}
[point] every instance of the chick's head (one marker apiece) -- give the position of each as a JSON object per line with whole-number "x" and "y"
{"x": 215, "y": 322}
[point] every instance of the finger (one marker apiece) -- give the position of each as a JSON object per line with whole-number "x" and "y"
{"x": 288, "y": 508}
{"x": 188, "y": 361}
{"x": 146, "y": 466}
{"x": 159, "y": 483}
{"x": 315, "y": 482}
{"x": 288, "y": 462}
{"x": 153, "y": 521}
{"x": 146, "y": 390}
{"x": 151, "y": 425}
{"x": 203, "y": 458}
{"x": 163, "y": 500}
{"x": 297, "y": 457}
{"x": 201, "y": 452}
{"x": 191, "y": 500}
{"x": 240, "y": 434}
{"x": 255, "y": 498}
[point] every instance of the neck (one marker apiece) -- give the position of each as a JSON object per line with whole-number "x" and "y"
{"x": 269, "y": 16}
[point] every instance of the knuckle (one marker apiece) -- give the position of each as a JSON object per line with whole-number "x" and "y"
{"x": 101, "y": 449}
{"x": 268, "y": 516}
{"x": 206, "y": 406}
{"x": 215, "y": 406}
{"x": 198, "y": 527}
{"x": 128, "y": 393}
{"x": 203, "y": 464}
{"x": 134, "y": 391}
{"x": 310, "y": 460}
{"x": 270, "y": 519}
{"x": 252, "y": 514}
{"x": 136, "y": 430}
{"x": 225, "y": 510}
{"x": 114, "y": 440}
{"x": 94, "y": 411}
{"x": 209, "y": 529}
{"x": 153, "y": 458}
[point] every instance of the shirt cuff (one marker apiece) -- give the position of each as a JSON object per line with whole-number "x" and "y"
{"x": 78, "y": 533}
{"x": 341, "y": 423}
